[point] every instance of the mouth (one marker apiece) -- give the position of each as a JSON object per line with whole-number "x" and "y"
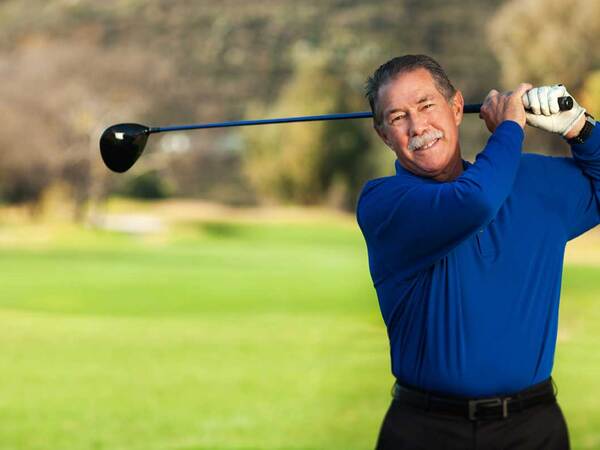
{"x": 427, "y": 146}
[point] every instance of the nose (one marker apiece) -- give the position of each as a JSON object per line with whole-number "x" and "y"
{"x": 418, "y": 124}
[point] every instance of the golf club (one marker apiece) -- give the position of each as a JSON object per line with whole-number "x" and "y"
{"x": 121, "y": 145}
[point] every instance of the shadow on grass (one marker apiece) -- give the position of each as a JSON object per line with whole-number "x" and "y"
{"x": 222, "y": 230}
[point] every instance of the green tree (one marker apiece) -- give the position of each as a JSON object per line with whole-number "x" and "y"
{"x": 312, "y": 163}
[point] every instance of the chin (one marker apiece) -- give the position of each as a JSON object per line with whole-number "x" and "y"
{"x": 433, "y": 166}
{"x": 436, "y": 162}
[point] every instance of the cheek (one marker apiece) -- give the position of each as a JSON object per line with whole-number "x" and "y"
{"x": 398, "y": 140}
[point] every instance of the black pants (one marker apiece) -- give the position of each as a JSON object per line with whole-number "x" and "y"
{"x": 540, "y": 427}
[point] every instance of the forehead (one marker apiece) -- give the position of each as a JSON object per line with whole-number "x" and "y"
{"x": 407, "y": 88}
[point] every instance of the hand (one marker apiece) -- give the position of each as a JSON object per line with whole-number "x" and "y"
{"x": 545, "y": 114}
{"x": 498, "y": 107}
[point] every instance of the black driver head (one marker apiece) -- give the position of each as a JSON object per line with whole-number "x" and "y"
{"x": 121, "y": 145}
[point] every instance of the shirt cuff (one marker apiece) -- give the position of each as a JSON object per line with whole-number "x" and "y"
{"x": 590, "y": 149}
{"x": 511, "y": 131}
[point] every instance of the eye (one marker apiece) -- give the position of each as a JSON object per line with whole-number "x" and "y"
{"x": 428, "y": 105}
{"x": 397, "y": 118}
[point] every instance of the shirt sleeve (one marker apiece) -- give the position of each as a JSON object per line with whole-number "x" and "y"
{"x": 578, "y": 186}
{"x": 410, "y": 222}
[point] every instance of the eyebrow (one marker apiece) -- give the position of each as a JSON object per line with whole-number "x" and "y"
{"x": 424, "y": 99}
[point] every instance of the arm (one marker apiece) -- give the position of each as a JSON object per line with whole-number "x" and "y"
{"x": 584, "y": 209}
{"x": 411, "y": 224}
{"x": 576, "y": 181}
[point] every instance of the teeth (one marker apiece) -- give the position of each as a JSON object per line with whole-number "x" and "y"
{"x": 428, "y": 145}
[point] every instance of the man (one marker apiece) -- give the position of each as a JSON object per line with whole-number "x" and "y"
{"x": 467, "y": 259}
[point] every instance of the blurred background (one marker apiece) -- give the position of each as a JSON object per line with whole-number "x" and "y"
{"x": 217, "y": 295}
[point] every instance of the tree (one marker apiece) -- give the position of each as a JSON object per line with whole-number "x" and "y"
{"x": 56, "y": 99}
{"x": 546, "y": 41}
{"x": 315, "y": 162}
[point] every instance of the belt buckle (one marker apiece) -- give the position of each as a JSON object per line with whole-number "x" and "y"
{"x": 488, "y": 402}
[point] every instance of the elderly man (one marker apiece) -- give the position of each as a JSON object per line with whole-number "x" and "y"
{"x": 467, "y": 258}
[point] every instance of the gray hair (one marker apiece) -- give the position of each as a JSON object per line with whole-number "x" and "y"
{"x": 403, "y": 64}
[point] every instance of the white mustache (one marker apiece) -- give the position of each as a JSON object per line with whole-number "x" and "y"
{"x": 427, "y": 138}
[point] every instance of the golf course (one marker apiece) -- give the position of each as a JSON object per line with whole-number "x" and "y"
{"x": 221, "y": 329}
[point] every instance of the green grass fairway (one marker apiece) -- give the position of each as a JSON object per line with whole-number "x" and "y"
{"x": 219, "y": 335}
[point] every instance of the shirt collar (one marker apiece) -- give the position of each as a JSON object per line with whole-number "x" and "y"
{"x": 401, "y": 171}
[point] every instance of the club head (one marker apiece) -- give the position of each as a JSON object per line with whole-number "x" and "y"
{"x": 121, "y": 145}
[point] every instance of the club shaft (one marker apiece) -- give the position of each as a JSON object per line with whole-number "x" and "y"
{"x": 244, "y": 123}
{"x": 473, "y": 108}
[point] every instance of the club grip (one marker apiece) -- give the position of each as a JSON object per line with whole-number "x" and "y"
{"x": 564, "y": 104}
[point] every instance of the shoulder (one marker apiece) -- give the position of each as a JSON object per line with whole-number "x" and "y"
{"x": 533, "y": 161}
{"x": 377, "y": 194}
{"x": 374, "y": 185}
{"x": 549, "y": 177}
{"x": 370, "y": 189}
{"x": 378, "y": 189}
{"x": 543, "y": 165}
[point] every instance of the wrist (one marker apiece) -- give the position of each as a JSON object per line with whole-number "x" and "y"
{"x": 576, "y": 128}
{"x": 585, "y": 132}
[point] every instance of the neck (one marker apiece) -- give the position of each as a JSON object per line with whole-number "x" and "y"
{"x": 452, "y": 172}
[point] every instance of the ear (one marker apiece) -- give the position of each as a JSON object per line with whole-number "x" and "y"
{"x": 458, "y": 104}
{"x": 381, "y": 133}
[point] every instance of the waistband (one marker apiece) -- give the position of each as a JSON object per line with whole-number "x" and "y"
{"x": 489, "y": 408}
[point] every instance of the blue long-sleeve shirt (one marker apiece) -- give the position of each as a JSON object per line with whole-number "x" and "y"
{"x": 468, "y": 272}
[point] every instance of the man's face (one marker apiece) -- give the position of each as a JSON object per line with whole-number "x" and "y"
{"x": 420, "y": 126}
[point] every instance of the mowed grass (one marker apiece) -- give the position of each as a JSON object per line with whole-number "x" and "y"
{"x": 219, "y": 335}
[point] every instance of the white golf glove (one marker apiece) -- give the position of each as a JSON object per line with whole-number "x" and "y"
{"x": 545, "y": 113}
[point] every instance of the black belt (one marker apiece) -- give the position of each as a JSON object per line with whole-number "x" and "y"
{"x": 477, "y": 409}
